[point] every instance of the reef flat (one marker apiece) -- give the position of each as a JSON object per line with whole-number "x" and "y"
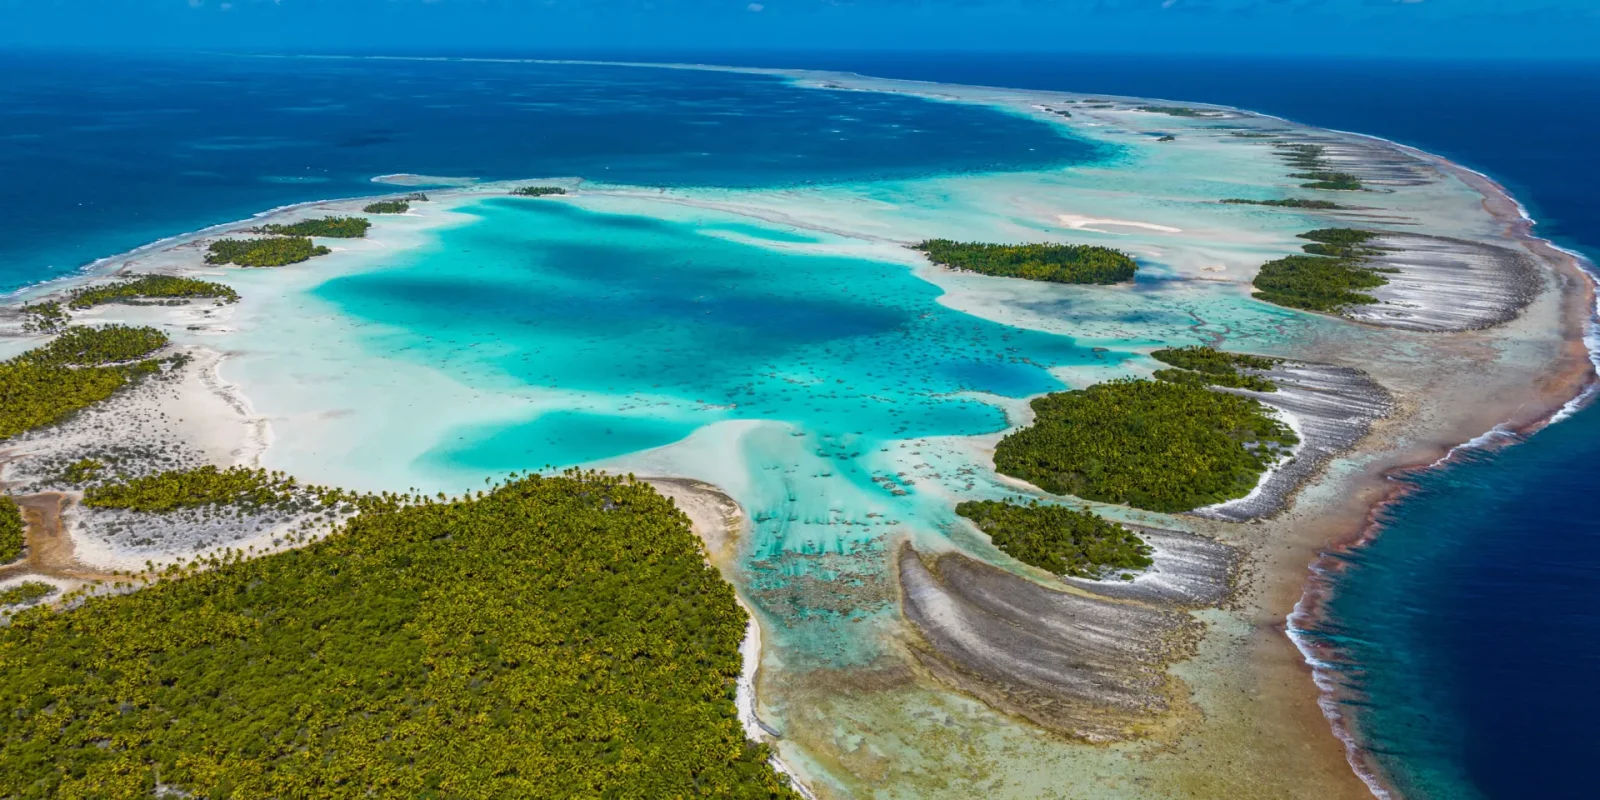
{"x": 790, "y": 348}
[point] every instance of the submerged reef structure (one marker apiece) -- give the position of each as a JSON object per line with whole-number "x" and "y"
{"x": 1403, "y": 280}
{"x": 1088, "y": 665}
{"x": 1330, "y": 408}
{"x": 1440, "y": 284}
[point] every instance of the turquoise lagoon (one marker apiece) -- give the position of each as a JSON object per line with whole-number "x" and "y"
{"x": 784, "y": 345}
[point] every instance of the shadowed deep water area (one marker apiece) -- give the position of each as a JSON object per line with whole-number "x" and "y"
{"x": 202, "y": 140}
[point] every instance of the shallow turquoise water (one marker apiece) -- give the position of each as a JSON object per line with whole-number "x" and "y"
{"x": 644, "y": 330}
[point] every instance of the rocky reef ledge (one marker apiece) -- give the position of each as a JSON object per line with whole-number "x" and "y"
{"x": 1087, "y": 659}
{"x": 1330, "y": 407}
{"x": 1442, "y": 284}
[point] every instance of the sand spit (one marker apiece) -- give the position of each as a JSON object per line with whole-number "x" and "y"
{"x": 1448, "y": 284}
{"x": 1331, "y": 409}
{"x": 1088, "y": 667}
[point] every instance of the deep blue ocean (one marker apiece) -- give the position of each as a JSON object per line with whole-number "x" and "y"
{"x": 1470, "y": 625}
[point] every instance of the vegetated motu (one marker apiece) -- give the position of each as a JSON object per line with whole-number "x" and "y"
{"x": 1330, "y": 278}
{"x": 387, "y": 207}
{"x": 269, "y": 252}
{"x": 1058, "y": 263}
{"x": 47, "y": 384}
{"x": 1149, "y": 444}
{"x": 329, "y": 227}
{"x": 44, "y": 317}
{"x": 1311, "y": 159}
{"x": 538, "y": 191}
{"x": 1293, "y": 202}
{"x": 147, "y": 287}
{"x": 11, "y": 530}
{"x": 1179, "y": 111}
{"x": 1330, "y": 181}
{"x": 555, "y": 637}
{"x": 1058, "y": 539}
{"x": 26, "y": 592}
{"x": 1208, "y": 366}
{"x": 251, "y": 489}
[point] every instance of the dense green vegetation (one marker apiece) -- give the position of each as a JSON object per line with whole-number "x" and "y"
{"x": 1058, "y": 539}
{"x": 26, "y": 592}
{"x": 538, "y": 191}
{"x": 45, "y": 317}
{"x": 146, "y": 287}
{"x": 1329, "y": 278}
{"x": 1343, "y": 242}
{"x": 1168, "y": 138}
{"x": 1331, "y": 181}
{"x": 271, "y": 252}
{"x": 241, "y": 487}
{"x": 82, "y": 471}
{"x": 1293, "y": 202}
{"x": 1315, "y": 168}
{"x": 1177, "y": 111}
{"x": 1157, "y": 445}
{"x": 1059, "y": 263}
{"x": 1316, "y": 283}
{"x": 1208, "y": 366}
{"x": 47, "y": 384}
{"x": 11, "y": 530}
{"x": 555, "y": 637}
{"x": 86, "y": 346}
{"x": 329, "y": 227}
{"x": 387, "y": 207}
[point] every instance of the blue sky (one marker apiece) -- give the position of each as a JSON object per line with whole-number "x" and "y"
{"x": 1402, "y": 28}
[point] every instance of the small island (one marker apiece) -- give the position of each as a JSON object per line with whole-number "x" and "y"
{"x": 1293, "y": 202}
{"x": 327, "y": 227}
{"x": 1328, "y": 278}
{"x": 1057, "y": 539}
{"x": 1178, "y": 111}
{"x": 1208, "y": 366}
{"x": 1056, "y": 263}
{"x": 168, "y": 289}
{"x": 273, "y": 252}
{"x": 1155, "y": 445}
{"x": 538, "y": 191}
{"x": 80, "y": 367}
{"x": 387, "y": 207}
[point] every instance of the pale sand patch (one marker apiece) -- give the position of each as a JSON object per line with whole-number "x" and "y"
{"x": 1078, "y": 223}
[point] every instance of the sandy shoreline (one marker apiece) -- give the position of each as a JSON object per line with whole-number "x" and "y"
{"x": 1283, "y": 597}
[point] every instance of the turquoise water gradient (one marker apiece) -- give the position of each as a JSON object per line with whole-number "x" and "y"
{"x": 681, "y": 324}
{"x": 643, "y": 330}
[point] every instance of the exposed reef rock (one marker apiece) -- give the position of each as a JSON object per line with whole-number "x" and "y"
{"x": 1330, "y": 407}
{"x": 1447, "y": 284}
{"x": 1088, "y": 667}
{"x": 1189, "y": 570}
{"x": 1375, "y": 164}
